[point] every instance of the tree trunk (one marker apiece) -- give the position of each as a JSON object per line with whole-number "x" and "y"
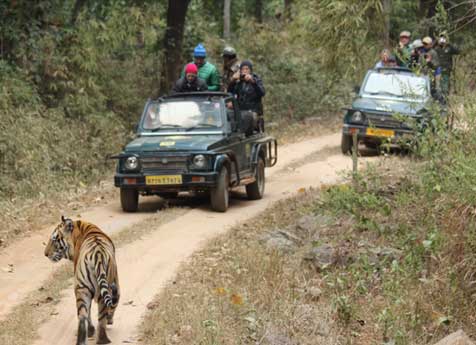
{"x": 427, "y": 8}
{"x": 172, "y": 44}
{"x": 387, "y": 10}
{"x": 78, "y": 5}
{"x": 226, "y": 19}
{"x": 259, "y": 11}
{"x": 287, "y": 10}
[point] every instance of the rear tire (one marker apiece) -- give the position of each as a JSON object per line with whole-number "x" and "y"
{"x": 346, "y": 144}
{"x": 129, "y": 200}
{"x": 220, "y": 195}
{"x": 255, "y": 190}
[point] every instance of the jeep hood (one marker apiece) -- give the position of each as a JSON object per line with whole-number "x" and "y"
{"x": 389, "y": 106}
{"x": 179, "y": 142}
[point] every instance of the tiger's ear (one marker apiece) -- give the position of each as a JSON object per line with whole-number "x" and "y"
{"x": 68, "y": 224}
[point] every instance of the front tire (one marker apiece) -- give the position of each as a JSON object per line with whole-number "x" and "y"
{"x": 255, "y": 190}
{"x": 220, "y": 195}
{"x": 346, "y": 144}
{"x": 129, "y": 200}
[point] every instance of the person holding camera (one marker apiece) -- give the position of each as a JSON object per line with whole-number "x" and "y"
{"x": 231, "y": 66}
{"x": 445, "y": 52}
{"x": 386, "y": 60}
{"x": 249, "y": 90}
{"x": 430, "y": 65}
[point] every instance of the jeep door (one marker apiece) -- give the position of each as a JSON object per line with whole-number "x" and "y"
{"x": 236, "y": 137}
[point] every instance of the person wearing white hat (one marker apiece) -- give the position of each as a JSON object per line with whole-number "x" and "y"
{"x": 431, "y": 66}
{"x": 445, "y": 51}
{"x": 403, "y": 51}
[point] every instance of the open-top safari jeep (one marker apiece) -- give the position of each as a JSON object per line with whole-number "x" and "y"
{"x": 197, "y": 142}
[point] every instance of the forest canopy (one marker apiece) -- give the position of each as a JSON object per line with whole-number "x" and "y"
{"x": 79, "y": 71}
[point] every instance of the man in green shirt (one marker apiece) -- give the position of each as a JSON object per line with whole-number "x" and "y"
{"x": 403, "y": 50}
{"x": 206, "y": 70}
{"x": 445, "y": 52}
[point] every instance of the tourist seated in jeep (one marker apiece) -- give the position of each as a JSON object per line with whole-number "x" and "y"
{"x": 190, "y": 82}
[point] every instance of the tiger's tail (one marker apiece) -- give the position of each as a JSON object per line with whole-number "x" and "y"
{"x": 103, "y": 284}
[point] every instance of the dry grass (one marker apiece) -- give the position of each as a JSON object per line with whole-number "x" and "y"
{"x": 236, "y": 291}
{"x": 23, "y": 217}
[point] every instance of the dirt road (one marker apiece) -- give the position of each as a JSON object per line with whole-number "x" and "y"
{"x": 145, "y": 265}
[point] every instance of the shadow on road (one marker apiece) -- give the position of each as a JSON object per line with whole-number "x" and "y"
{"x": 366, "y": 151}
{"x": 151, "y": 204}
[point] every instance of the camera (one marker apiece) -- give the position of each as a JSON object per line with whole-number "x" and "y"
{"x": 242, "y": 76}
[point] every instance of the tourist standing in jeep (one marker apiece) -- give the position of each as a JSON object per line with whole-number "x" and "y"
{"x": 445, "y": 52}
{"x": 403, "y": 51}
{"x": 248, "y": 88}
{"x": 231, "y": 67}
{"x": 206, "y": 71}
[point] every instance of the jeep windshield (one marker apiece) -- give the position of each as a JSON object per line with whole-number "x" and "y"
{"x": 397, "y": 85}
{"x": 182, "y": 115}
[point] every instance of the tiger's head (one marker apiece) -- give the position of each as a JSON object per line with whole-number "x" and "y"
{"x": 60, "y": 244}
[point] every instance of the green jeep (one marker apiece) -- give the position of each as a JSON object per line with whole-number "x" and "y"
{"x": 196, "y": 142}
{"x": 391, "y": 105}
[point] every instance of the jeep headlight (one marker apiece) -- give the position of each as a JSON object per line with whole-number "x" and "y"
{"x": 199, "y": 161}
{"x": 357, "y": 116}
{"x": 131, "y": 163}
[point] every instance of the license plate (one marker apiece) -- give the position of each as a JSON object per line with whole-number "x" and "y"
{"x": 378, "y": 132}
{"x": 163, "y": 179}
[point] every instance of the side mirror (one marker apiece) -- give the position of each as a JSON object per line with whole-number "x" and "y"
{"x": 136, "y": 128}
{"x": 357, "y": 89}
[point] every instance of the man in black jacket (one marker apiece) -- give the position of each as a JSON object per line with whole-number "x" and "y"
{"x": 190, "y": 82}
{"x": 248, "y": 88}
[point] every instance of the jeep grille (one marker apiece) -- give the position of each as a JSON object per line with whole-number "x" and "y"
{"x": 178, "y": 164}
{"x": 384, "y": 121}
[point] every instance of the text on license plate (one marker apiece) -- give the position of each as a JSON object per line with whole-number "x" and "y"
{"x": 378, "y": 132}
{"x": 163, "y": 179}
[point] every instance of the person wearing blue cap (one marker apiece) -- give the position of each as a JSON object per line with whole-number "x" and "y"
{"x": 206, "y": 70}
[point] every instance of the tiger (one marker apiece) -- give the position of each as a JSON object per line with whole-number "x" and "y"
{"x": 95, "y": 273}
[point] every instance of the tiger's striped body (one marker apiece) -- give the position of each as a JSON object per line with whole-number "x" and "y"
{"x": 95, "y": 273}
